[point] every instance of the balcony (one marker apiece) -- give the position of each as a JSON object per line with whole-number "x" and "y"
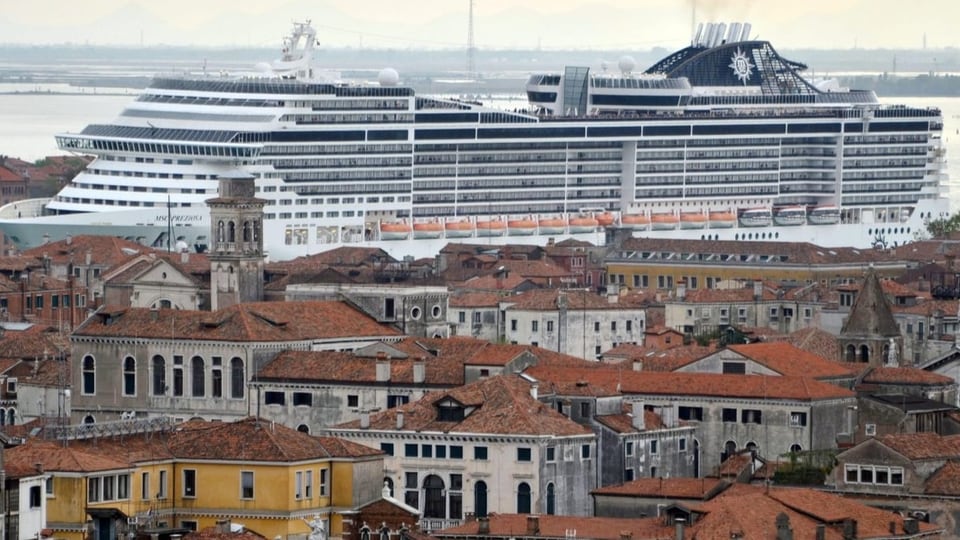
{"x": 428, "y": 525}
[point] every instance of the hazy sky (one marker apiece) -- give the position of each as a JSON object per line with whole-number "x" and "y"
{"x": 585, "y": 24}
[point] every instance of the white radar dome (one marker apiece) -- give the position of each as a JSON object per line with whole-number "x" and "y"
{"x": 263, "y": 67}
{"x": 182, "y": 246}
{"x": 627, "y": 64}
{"x": 388, "y": 77}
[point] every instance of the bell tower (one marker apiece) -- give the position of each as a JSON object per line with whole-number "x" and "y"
{"x": 236, "y": 254}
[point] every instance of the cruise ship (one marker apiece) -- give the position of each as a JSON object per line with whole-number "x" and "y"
{"x": 724, "y": 139}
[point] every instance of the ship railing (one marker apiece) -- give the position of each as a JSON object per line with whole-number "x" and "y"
{"x": 429, "y": 525}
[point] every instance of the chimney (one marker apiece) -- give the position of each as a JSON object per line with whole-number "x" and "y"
{"x": 757, "y": 289}
{"x": 69, "y": 239}
{"x": 910, "y": 526}
{"x": 364, "y": 419}
{"x": 613, "y": 293}
{"x": 38, "y": 467}
{"x": 638, "y": 421}
{"x": 483, "y": 525}
{"x": 784, "y": 532}
{"x": 626, "y": 535}
{"x": 399, "y": 419}
{"x": 850, "y": 528}
{"x": 89, "y": 257}
{"x": 223, "y": 526}
{"x": 184, "y": 257}
{"x": 383, "y": 367}
{"x": 154, "y": 314}
{"x": 892, "y": 527}
{"x": 533, "y": 525}
{"x": 535, "y": 391}
{"x": 419, "y": 370}
{"x": 680, "y": 529}
{"x": 821, "y": 533}
{"x": 681, "y": 290}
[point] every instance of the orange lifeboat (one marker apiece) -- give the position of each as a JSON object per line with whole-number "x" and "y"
{"x": 722, "y": 220}
{"x": 692, "y": 220}
{"x": 606, "y": 219}
{"x": 635, "y": 222}
{"x": 583, "y": 224}
{"x": 394, "y": 231}
{"x": 664, "y": 222}
{"x": 521, "y": 227}
{"x": 491, "y": 227}
{"x": 459, "y": 229}
{"x": 428, "y": 229}
{"x": 552, "y": 225}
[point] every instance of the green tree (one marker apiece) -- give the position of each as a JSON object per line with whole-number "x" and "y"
{"x": 944, "y": 227}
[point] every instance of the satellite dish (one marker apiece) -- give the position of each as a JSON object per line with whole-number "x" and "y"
{"x": 627, "y": 64}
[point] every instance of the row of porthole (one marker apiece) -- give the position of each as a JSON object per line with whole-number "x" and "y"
{"x": 894, "y": 230}
{"x": 416, "y": 312}
{"x": 758, "y": 236}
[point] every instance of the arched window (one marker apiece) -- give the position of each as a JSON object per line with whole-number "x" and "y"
{"x": 89, "y": 419}
{"x": 11, "y": 416}
{"x": 523, "y": 498}
{"x": 3, "y": 417}
{"x": 231, "y": 232}
{"x": 159, "y": 376}
{"x": 434, "y": 504}
{"x": 480, "y": 499}
{"x": 388, "y": 485}
{"x": 220, "y": 231}
{"x": 864, "y": 353}
{"x": 795, "y": 448}
{"x": 237, "y": 378}
{"x": 89, "y": 375}
{"x": 247, "y": 234}
{"x": 197, "y": 373}
{"x": 752, "y": 447}
{"x": 129, "y": 376}
{"x": 551, "y": 499}
{"x": 729, "y": 449}
{"x": 303, "y": 428}
{"x": 851, "y": 355}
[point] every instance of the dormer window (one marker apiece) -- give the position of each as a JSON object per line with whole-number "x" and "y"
{"x": 450, "y": 410}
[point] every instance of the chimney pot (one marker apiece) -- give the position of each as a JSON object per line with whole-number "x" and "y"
{"x": 399, "y": 419}
{"x": 483, "y": 525}
{"x": 533, "y": 525}
{"x": 364, "y": 419}
{"x": 637, "y": 420}
{"x": 419, "y": 371}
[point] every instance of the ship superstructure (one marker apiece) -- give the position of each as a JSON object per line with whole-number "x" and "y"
{"x": 723, "y": 139}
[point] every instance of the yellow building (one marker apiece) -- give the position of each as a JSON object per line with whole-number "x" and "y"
{"x": 270, "y": 479}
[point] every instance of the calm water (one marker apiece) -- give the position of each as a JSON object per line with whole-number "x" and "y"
{"x": 28, "y": 122}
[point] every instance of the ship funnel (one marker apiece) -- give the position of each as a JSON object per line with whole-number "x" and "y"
{"x": 745, "y": 33}
{"x": 696, "y": 36}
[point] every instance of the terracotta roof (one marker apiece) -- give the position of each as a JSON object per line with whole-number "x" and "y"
{"x": 787, "y": 359}
{"x": 676, "y": 488}
{"x": 735, "y": 464}
{"x": 793, "y": 253}
{"x": 552, "y": 526}
{"x": 341, "y": 256}
{"x": 673, "y": 358}
{"x": 923, "y": 445}
{"x": 499, "y": 405}
{"x": 623, "y": 422}
{"x": 815, "y": 340}
{"x": 29, "y": 345}
{"x": 906, "y": 375}
{"x": 53, "y": 456}
{"x": 250, "y": 439}
{"x": 475, "y": 299}
{"x": 945, "y": 481}
{"x": 696, "y": 384}
{"x": 104, "y": 250}
{"x": 493, "y": 283}
{"x": 934, "y": 307}
{"x": 211, "y": 533}
{"x": 549, "y": 300}
{"x": 538, "y": 269}
{"x": 255, "y": 321}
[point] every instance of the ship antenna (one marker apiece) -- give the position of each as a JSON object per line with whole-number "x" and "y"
{"x": 471, "y": 46}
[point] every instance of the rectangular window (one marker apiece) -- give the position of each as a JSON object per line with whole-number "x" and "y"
{"x": 324, "y": 484}
{"x": 410, "y": 450}
{"x": 750, "y": 416}
{"x": 584, "y": 451}
{"x": 93, "y": 489}
{"x": 513, "y": 325}
{"x": 524, "y": 454}
{"x": 585, "y": 409}
{"x": 629, "y": 326}
{"x": 440, "y": 451}
{"x": 690, "y": 413}
{"x": 189, "y": 483}
{"x": 273, "y": 397}
{"x": 308, "y": 484}
{"x": 480, "y": 453}
{"x": 653, "y": 446}
{"x": 48, "y": 484}
{"x": 596, "y": 326}
{"x": 303, "y": 399}
{"x": 682, "y": 444}
{"x": 162, "y": 491}
{"x": 387, "y": 448}
{"x": 36, "y": 497}
{"x": 551, "y": 454}
{"x": 462, "y": 317}
{"x": 798, "y": 419}
{"x": 628, "y": 475}
{"x": 534, "y": 326}
{"x": 628, "y": 448}
{"x": 729, "y": 415}
{"x": 549, "y": 326}
{"x": 246, "y": 484}
{"x": 456, "y": 451}
{"x": 735, "y": 368}
{"x": 298, "y": 485}
{"x": 353, "y": 401}
{"x": 145, "y": 487}
{"x": 426, "y": 450}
